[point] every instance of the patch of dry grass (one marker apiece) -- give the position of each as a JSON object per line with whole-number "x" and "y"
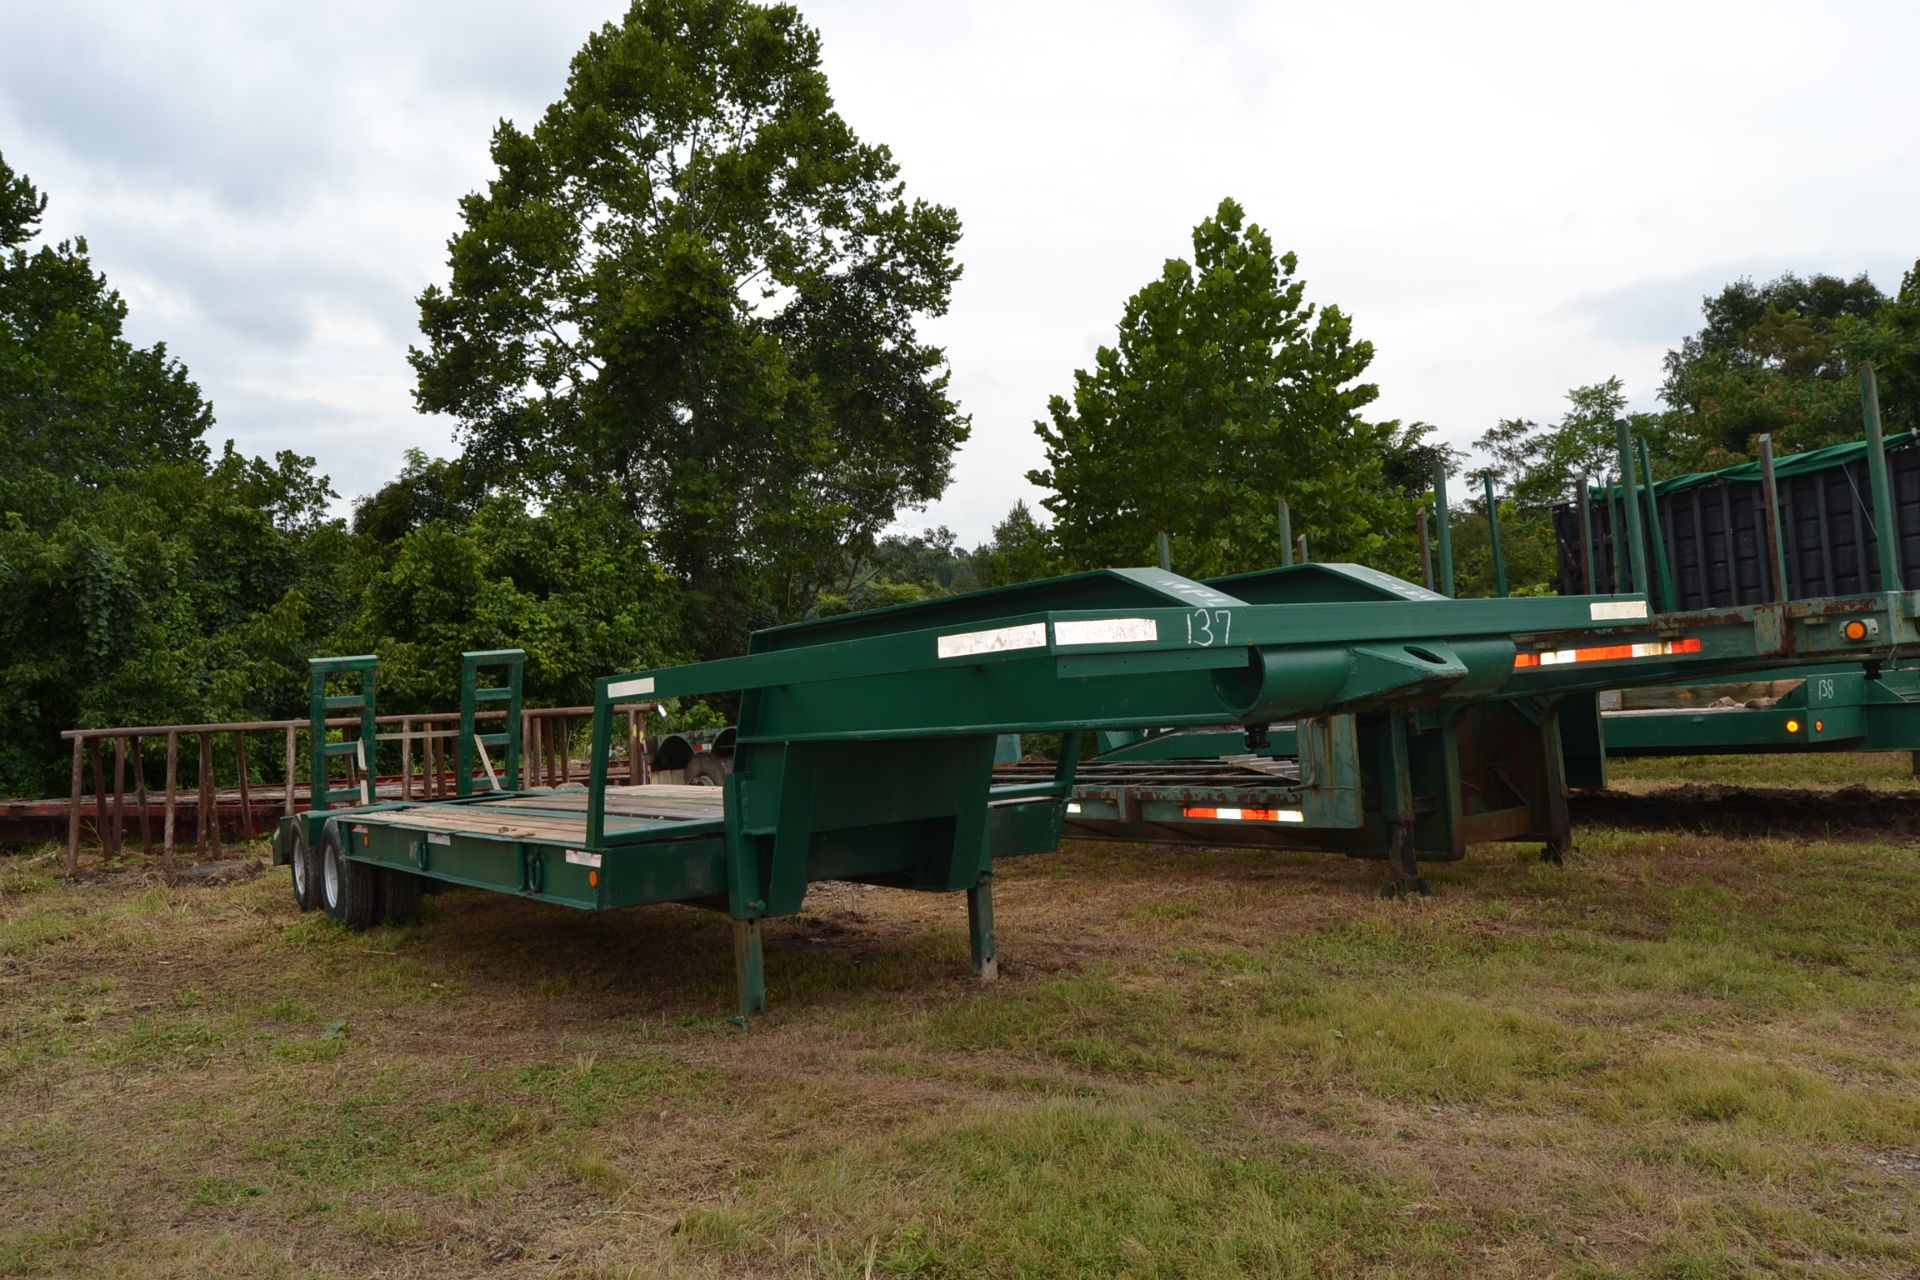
{"x": 1678, "y": 1056}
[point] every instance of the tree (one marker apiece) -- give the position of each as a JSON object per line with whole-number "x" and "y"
{"x": 693, "y": 282}
{"x": 80, "y": 406}
{"x": 1890, "y": 341}
{"x": 1770, "y": 359}
{"x": 1224, "y": 391}
{"x": 1021, "y": 550}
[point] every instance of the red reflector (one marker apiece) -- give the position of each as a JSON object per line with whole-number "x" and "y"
{"x": 1222, "y": 814}
{"x": 1606, "y": 653}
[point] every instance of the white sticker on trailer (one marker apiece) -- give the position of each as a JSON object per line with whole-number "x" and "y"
{"x": 628, "y": 688}
{"x": 1617, "y": 610}
{"x": 971, "y": 644}
{"x": 581, "y": 858}
{"x": 439, "y": 837}
{"x": 1106, "y": 631}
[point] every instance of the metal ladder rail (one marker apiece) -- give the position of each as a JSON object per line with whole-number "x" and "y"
{"x": 359, "y": 750}
{"x": 508, "y": 666}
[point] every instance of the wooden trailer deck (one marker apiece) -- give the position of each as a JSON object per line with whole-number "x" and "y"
{"x": 559, "y": 817}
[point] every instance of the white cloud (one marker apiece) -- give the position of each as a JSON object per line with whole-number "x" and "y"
{"x": 1509, "y": 199}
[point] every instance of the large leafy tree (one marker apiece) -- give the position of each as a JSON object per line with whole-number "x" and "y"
{"x": 144, "y": 580}
{"x": 1771, "y": 358}
{"x": 1224, "y": 390}
{"x": 80, "y": 405}
{"x": 692, "y": 281}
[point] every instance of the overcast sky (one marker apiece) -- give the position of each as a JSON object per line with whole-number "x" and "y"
{"x": 1509, "y": 199}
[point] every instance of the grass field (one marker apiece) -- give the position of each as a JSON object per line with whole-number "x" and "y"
{"x": 1676, "y": 1056}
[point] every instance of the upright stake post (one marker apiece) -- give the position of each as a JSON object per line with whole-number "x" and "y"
{"x": 1286, "y": 530}
{"x": 1662, "y": 575}
{"x": 1493, "y": 536}
{"x": 1166, "y": 554}
{"x": 1636, "y": 549}
{"x": 1583, "y": 504}
{"x": 1776, "y": 544}
{"x": 1300, "y": 549}
{"x": 1886, "y": 523}
{"x": 1426, "y": 552}
{"x": 1442, "y": 528}
{"x": 1617, "y": 526}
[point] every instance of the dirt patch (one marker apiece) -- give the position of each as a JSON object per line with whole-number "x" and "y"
{"x": 1857, "y": 813}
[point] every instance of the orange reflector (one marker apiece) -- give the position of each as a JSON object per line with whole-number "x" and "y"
{"x": 1793, "y": 726}
{"x": 593, "y": 879}
{"x": 1606, "y": 653}
{"x": 1819, "y": 726}
{"x": 1855, "y": 630}
{"x": 1242, "y": 815}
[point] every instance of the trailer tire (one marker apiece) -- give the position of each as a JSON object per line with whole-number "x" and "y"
{"x": 350, "y": 891}
{"x": 705, "y": 770}
{"x": 399, "y": 895}
{"x": 305, "y": 865}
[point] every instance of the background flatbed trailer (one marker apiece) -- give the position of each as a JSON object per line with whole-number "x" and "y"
{"x": 866, "y": 743}
{"x": 1425, "y": 784}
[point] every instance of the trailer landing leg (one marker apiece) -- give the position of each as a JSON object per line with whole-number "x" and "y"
{"x": 749, "y": 973}
{"x": 1403, "y": 867}
{"x": 986, "y": 962}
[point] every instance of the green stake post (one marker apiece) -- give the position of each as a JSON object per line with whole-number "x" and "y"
{"x": 1493, "y": 536}
{"x": 1286, "y": 531}
{"x": 1886, "y": 531}
{"x": 1636, "y": 549}
{"x": 1662, "y": 576}
{"x": 1442, "y": 529}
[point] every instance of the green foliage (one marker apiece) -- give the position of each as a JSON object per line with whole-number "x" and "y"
{"x": 1775, "y": 359}
{"x": 575, "y": 586}
{"x": 691, "y": 281}
{"x": 1021, "y": 550}
{"x": 80, "y": 406}
{"x": 1225, "y": 390}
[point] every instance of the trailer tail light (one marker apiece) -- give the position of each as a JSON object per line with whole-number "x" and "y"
{"x": 1214, "y": 814}
{"x": 1858, "y": 629}
{"x": 1606, "y": 653}
{"x": 1793, "y": 726}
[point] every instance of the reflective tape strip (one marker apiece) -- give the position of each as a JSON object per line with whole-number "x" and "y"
{"x": 627, "y": 688}
{"x": 1606, "y": 653}
{"x": 1106, "y": 631}
{"x": 581, "y": 858}
{"x": 969, "y": 644}
{"x": 1616, "y": 610}
{"x": 1243, "y": 815}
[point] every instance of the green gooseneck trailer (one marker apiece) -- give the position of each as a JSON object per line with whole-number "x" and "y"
{"x": 866, "y": 743}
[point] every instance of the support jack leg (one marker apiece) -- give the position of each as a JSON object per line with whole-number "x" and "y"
{"x": 1403, "y": 868}
{"x": 986, "y": 961}
{"x": 749, "y": 971}
{"x": 1555, "y": 853}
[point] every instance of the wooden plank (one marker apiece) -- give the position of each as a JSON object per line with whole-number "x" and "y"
{"x": 73, "y": 811}
{"x": 116, "y": 846}
{"x": 288, "y": 810}
{"x": 99, "y": 793}
{"x": 173, "y": 777}
{"x": 246, "y": 787}
{"x": 140, "y": 791}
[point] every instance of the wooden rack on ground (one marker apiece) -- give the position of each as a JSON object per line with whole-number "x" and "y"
{"x": 248, "y": 808}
